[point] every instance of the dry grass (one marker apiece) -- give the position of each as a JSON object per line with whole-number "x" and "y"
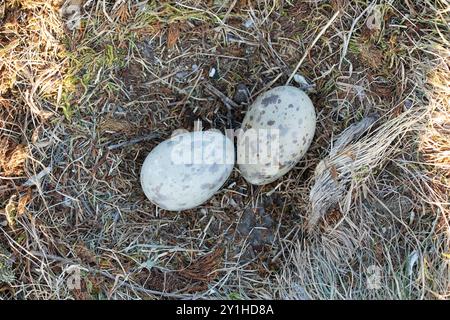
{"x": 80, "y": 109}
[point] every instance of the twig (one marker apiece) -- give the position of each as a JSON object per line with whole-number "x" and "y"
{"x": 36, "y": 179}
{"x": 226, "y": 101}
{"x": 167, "y": 76}
{"x": 132, "y": 141}
{"x": 225, "y": 18}
{"x": 312, "y": 45}
{"x": 229, "y": 104}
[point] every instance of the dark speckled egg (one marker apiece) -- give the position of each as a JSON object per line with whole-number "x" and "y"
{"x": 276, "y": 133}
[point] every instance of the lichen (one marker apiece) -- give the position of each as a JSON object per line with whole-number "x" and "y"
{"x": 6, "y": 271}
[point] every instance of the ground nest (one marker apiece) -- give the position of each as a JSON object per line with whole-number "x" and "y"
{"x": 89, "y": 88}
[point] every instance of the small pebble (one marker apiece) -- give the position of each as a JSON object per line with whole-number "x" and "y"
{"x": 408, "y": 104}
{"x": 303, "y": 83}
{"x": 181, "y": 76}
{"x": 232, "y": 38}
{"x": 248, "y": 23}
{"x": 145, "y": 47}
{"x": 212, "y": 72}
{"x": 241, "y": 94}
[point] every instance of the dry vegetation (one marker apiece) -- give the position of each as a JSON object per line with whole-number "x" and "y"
{"x": 135, "y": 71}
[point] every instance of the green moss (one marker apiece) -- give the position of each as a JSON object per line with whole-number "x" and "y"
{"x": 234, "y": 296}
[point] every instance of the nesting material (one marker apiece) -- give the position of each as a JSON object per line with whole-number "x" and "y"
{"x": 333, "y": 173}
{"x": 344, "y": 170}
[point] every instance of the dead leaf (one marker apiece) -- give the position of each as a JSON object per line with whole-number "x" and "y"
{"x": 173, "y": 35}
{"x": 4, "y": 103}
{"x": 12, "y": 157}
{"x": 115, "y": 125}
{"x": 23, "y": 202}
{"x": 85, "y": 254}
{"x": 371, "y": 55}
{"x": 204, "y": 268}
{"x": 122, "y": 13}
{"x": 334, "y": 172}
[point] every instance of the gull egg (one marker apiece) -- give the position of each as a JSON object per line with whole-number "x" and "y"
{"x": 276, "y": 133}
{"x": 187, "y": 170}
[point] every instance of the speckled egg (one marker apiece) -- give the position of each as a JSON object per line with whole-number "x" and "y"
{"x": 276, "y": 133}
{"x": 188, "y": 169}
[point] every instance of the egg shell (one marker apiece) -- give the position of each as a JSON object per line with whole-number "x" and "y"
{"x": 188, "y": 169}
{"x": 276, "y": 133}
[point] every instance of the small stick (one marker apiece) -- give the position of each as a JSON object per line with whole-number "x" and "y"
{"x": 312, "y": 45}
{"x": 229, "y": 104}
{"x": 132, "y": 141}
{"x": 167, "y": 76}
{"x": 229, "y": 11}
{"x": 226, "y": 101}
